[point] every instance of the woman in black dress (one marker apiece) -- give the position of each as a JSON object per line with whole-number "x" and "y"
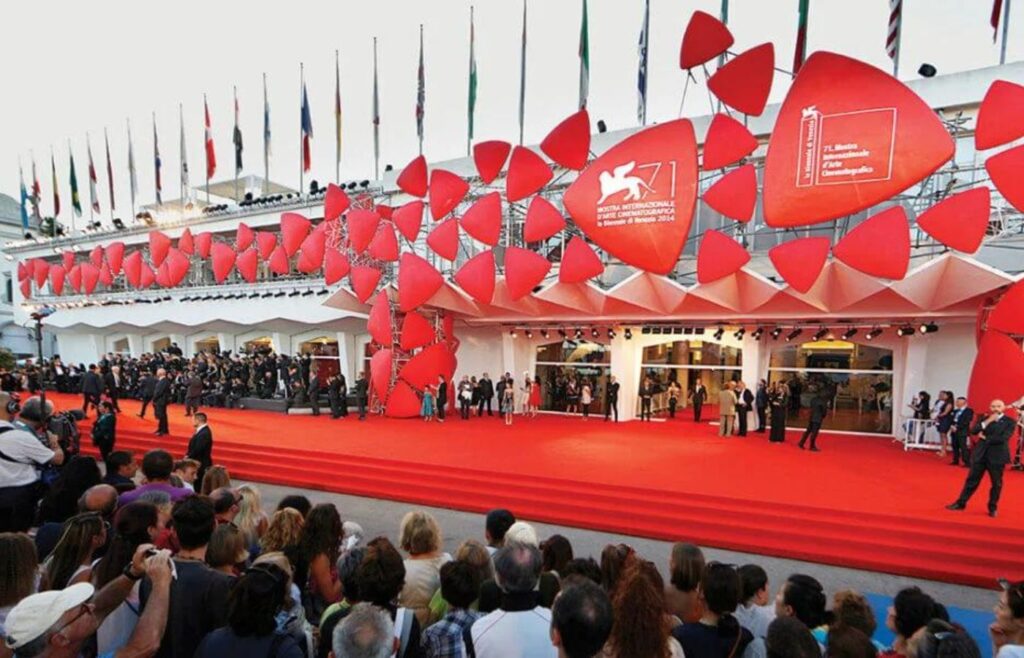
{"x": 778, "y": 401}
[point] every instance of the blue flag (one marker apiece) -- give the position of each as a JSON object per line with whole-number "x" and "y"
{"x": 24, "y": 200}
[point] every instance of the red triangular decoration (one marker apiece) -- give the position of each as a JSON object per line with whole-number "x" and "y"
{"x": 413, "y": 179}
{"x": 476, "y": 277}
{"x": 735, "y": 194}
{"x": 482, "y": 220}
{"x": 745, "y": 81}
{"x": 568, "y": 143}
{"x": 527, "y": 174}
{"x": 489, "y": 158}
{"x": 799, "y": 262}
{"x": 579, "y": 262}
{"x": 719, "y": 256}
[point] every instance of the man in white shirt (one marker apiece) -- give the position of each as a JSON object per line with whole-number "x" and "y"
{"x": 22, "y": 454}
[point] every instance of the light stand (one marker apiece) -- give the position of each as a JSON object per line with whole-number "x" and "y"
{"x": 44, "y": 312}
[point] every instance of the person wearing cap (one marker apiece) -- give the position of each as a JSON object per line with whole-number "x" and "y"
{"x": 55, "y": 624}
{"x": 22, "y": 454}
{"x": 1007, "y": 631}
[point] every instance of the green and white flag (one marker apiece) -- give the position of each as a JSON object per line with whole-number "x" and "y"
{"x": 584, "y": 58}
{"x": 471, "y": 109}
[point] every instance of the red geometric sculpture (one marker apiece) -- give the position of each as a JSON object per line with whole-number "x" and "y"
{"x": 385, "y": 211}
{"x": 23, "y": 271}
{"x": 57, "y": 274}
{"x": 96, "y": 255}
{"x": 719, "y": 256}
{"x": 542, "y": 220}
{"x": 527, "y": 173}
{"x": 413, "y": 179}
{"x": 364, "y": 281}
{"x": 482, "y": 220}
{"x": 278, "y": 261}
{"x": 163, "y": 279}
{"x": 223, "y": 261}
{"x": 727, "y": 142}
{"x": 336, "y": 266}
{"x": 246, "y": 264}
{"x": 418, "y": 281}
{"x": 1005, "y": 170}
{"x": 265, "y": 243}
{"x": 311, "y": 253}
{"x": 132, "y": 269}
{"x": 378, "y": 321}
{"x": 91, "y": 276}
{"x": 604, "y": 196}
{"x": 244, "y": 237}
{"x": 799, "y": 262}
{"x": 380, "y": 372}
{"x": 996, "y": 354}
{"x": 177, "y": 267}
{"x": 705, "y": 38}
{"x": 579, "y": 262}
{"x": 146, "y": 278}
{"x": 67, "y": 258}
{"x": 384, "y": 245}
{"x": 159, "y": 243}
{"x": 107, "y": 278}
{"x": 416, "y": 332}
{"x": 294, "y": 229}
{"x": 568, "y": 143}
{"x": 960, "y": 220}
{"x": 75, "y": 278}
{"x": 735, "y": 194}
{"x": 408, "y": 219}
{"x": 115, "y": 257}
{"x": 879, "y": 246}
{"x": 402, "y": 402}
{"x": 893, "y": 138}
{"x": 745, "y": 81}
{"x": 335, "y": 202}
{"x": 429, "y": 364}
{"x": 446, "y": 192}
{"x": 40, "y": 272}
{"x": 186, "y": 243}
{"x": 1001, "y": 115}
{"x": 489, "y": 158}
{"x": 1008, "y": 314}
{"x": 26, "y": 288}
{"x": 362, "y": 226}
{"x": 444, "y": 239}
{"x": 203, "y": 243}
{"x": 524, "y": 270}
{"x": 476, "y": 277}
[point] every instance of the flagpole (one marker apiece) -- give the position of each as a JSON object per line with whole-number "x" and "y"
{"x": 337, "y": 119}
{"x": 522, "y": 79}
{"x": 1006, "y": 31}
{"x": 71, "y": 160}
{"x": 206, "y": 150}
{"x": 896, "y": 41}
{"x": 92, "y": 193}
{"x": 181, "y": 165}
{"x": 419, "y": 93}
{"x": 131, "y": 182}
{"x": 266, "y": 144}
{"x": 302, "y": 89}
{"x": 236, "y": 146}
{"x": 723, "y": 16}
{"x": 472, "y": 84}
{"x": 376, "y": 117}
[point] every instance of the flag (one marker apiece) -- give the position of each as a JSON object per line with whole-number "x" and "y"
{"x": 186, "y": 191}
{"x": 56, "y": 190}
{"x": 641, "y": 76}
{"x": 37, "y": 191}
{"x": 94, "y": 199}
{"x": 211, "y": 154}
{"x": 76, "y": 202}
{"x": 133, "y": 178}
{"x": 892, "y": 40}
{"x": 584, "y": 58}
{"x": 471, "y": 98}
{"x": 266, "y": 121}
{"x": 237, "y": 139}
{"x": 337, "y": 111}
{"x": 376, "y": 116}
{"x": 110, "y": 171}
{"x": 157, "y": 164}
{"x": 421, "y": 94}
{"x": 24, "y": 198}
{"x": 307, "y": 131}
{"x": 800, "y": 53}
{"x": 723, "y": 15}
{"x": 997, "y": 11}
{"x": 522, "y": 78}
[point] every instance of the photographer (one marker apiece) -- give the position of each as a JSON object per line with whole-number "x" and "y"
{"x": 25, "y": 448}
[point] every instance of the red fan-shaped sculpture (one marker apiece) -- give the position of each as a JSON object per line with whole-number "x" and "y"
{"x": 429, "y": 364}
{"x": 294, "y": 229}
{"x": 132, "y": 269}
{"x": 408, "y": 219}
{"x": 311, "y": 253}
{"x": 186, "y": 243}
{"x": 960, "y": 220}
{"x": 244, "y": 237}
{"x": 489, "y": 158}
{"x": 579, "y": 262}
{"x": 735, "y": 194}
{"x": 115, "y": 257}
{"x": 68, "y": 259}
{"x": 159, "y": 243}
{"x": 384, "y": 245}
{"x": 1001, "y": 115}
{"x": 416, "y": 332}
{"x": 527, "y": 174}
{"x": 222, "y": 260}
{"x": 402, "y": 402}
{"x": 727, "y": 142}
{"x": 336, "y": 266}
{"x": 705, "y": 38}
{"x": 378, "y": 321}
{"x": 1008, "y": 315}
{"x": 247, "y": 263}
{"x": 482, "y": 220}
{"x": 413, "y": 179}
{"x": 177, "y": 267}
{"x": 146, "y": 278}
{"x": 74, "y": 278}
{"x": 418, "y": 281}
{"x": 444, "y": 239}
{"x": 107, "y": 279}
{"x": 568, "y": 143}
{"x": 57, "y": 274}
{"x": 26, "y": 288}
{"x": 719, "y": 256}
{"x": 542, "y": 220}
{"x": 446, "y": 192}
{"x": 91, "y": 276}
{"x": 335, "y": 202}
{"x": 96, "y": 255}
{"x": 524, "y": 270}
{"x": 476, "y": 277}
{"x": 41, "y": 271}
{"x": 364, "y": 281}
{"x": 265, "y": 243}
{"x": 996, "y": 354}
{"x": 362, "y": 226}
{"x": 380, "y": 372}
{"x": 745, "y": 81}
{"x": 1005, "y": 170}
{"x": 879, "y": 246}
{"x": 799, "y": 262}
{"x": 204, "y": 241}
{"x": 279, "y": 262}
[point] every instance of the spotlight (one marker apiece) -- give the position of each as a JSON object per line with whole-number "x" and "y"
{"x": 793, "y": 334}
{"x": 928, "y": 328}
{"x": 593, "y": 332}
{"x": 352, "y": 185}
{"x": 543, "y": 333}
{"x": 628, "y": 334}
{"x": 528, "y": 333}
{"x": 776, "y": 332}
{"x": 118, "y": 224}
{"x": 602, "y": 127}
{"x": 905, "y": 330}
{"x": 611, "y": 333}
{"x": 512, "y": 333}
{"x": 739, "y": 333}
{"x": 645, "y": 330}
{"x": 579, "y": 333}
{"x": 677, "y": 330}
{"x": 821, "y": 333}
{"x": 656, "y": 330}
{"x": 757, "y": 333}
{"x": 719, "y": 333}
{"x": 849, "y": 333}
{"x": 927, "y": 71}
{"x": 388, "y": 168}
{"x": 561, "y": 332}
{"x": 873, "y": 334}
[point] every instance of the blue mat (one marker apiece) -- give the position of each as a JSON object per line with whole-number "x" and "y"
{"x": 975, "y": 621}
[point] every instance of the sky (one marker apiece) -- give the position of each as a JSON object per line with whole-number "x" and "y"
{"x": 73, "y": 69}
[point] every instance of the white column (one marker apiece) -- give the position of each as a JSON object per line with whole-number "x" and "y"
{"x": 135, "y": 344}
{"x": 227, "y": 342}
{"x": 282, "y": 343}
{"x": 625, "y": 366}
{"x": 508, "y": 354}
{"x": 346, "y": 355}
{"x": 180, "y": 339}
{"x": 755, "y": 367}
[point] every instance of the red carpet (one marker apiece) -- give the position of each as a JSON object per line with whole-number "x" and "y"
{"x": 861, "y": 503}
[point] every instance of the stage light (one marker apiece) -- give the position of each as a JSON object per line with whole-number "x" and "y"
{"x": 904, "y": 331}
{"x": 928, "y": 328}
{"x": 528, "y": 333}
{"x": 593, "y": 332}
{"x": 927, "y": 71}
{"x": 776, "y": 332}
{"x": 645, "y": 330}
{"x": 118, "y": 224}
{"x": 793, "y": 334}
{"x": 544, "y": 333}
{"x": 849, "y": 333}
{"x": 719, "y": 333}
{"x": 512, "y": 333}
{"x": 611, "y": 333}
{"x": 757, "y": 333}
{"x": 873, "y": 334}
{"x": 821, "y": 333}
{"x": 677, "y": 330}
{"x": 561, "y": 332}
{"x": 739, "y": 333}
{"x": 579, "y": 333}
{"x": 602, "y": 127}
{"x": 699, "y": 331}
{"x": 388, "y": 168}
{"x": 628, "y": 334}
{"x": 656, "y": 330}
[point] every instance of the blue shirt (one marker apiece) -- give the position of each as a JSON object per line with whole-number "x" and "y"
{"x": 444, "y": 639}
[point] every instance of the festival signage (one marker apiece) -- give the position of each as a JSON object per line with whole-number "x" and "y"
{"x": 848, "y": 136}
{"x": 636, "y": 201}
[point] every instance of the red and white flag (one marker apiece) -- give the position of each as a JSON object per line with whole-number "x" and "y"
{"x": 892, "y": 40}
{"x": 94, "y": 198}
{"x": 211, "y": 154}
{"x": 997, "y": 12}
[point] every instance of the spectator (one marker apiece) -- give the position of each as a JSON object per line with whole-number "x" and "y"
{"x": 557, "y": 552}
{"x": 475, "y": 554}
{"x": 497, "y": 524}
{"x": 226, "y": 502}
{"x": 216, "y": 477}
{"x": 367, "y": 632}
{"x": 379, "y": 580}
{"x": 61, "y": 502}
{"x": 718, "y": 633}
{"x": 318, "y": 552}
{"x": 685, "y": 567}
{"x": 1008, "y": 628}
{"x": 199, "y": 595}
{"x": 420, "y": 537}
{"x": 251, "y": 519}
{"x": 71, "y": 560}
{"x": 788, "y": 637}
{"x": 104, "y": 430}
{"x": 753, "y": 613}
{"x": 227, "y": 552}
{"x": 348, "y": 565}
{"x": 580, "y": 569}
{"x": 614, "y": 559}
{"x": 460, "y": 586}
{"x": 581, "y": 621}
{"x": 941, "y": 639}
{"x": 251, "y": 628}
{"x": 27, "y": 453}
{"x": 802, "y": 597}
{"x": 164, "y": 507}
{"x": 284, "y": 533}
{"x": 849, "y": 642}
{"x": 156, "y": 470}
{"x": 641, "y": 629}
{"x": 121, "y": 470}
{"x": 521, "y": 626}
{"x": 911, "y": 610}
{"x": 187, "y": 470}
{"x": 18, "y": 568}
{"x": 299, "y": 503}
{"x": 849, "y": 609}
{"x": 291, "y": 618}
{"x": 547, "y": 586}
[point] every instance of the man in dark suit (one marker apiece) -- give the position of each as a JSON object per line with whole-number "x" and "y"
{"x": 646, "y": 393}
{"x": 337, "y": 395}
{"x": 442, "y": 397}
{"x": 92, "y": 388}
{"x": 161, "y": 398}
{"x": 314, "y": 391}
{"x": 991, "y": 455}
{"x": 112, "y": 386}
{"x": 362, "y": 387}
{"x": 819, "y": 409}
{"x": 486, "y": 395}
{"x": 193, "y": 392}
{"x": 200, "y": 446}
{"x": 698, "y": 394}
{"x": 611, "y": 399}
{"x": 962, "y": 417}
{"x": 146, "y": 386}
{"x": 744, "y": 403}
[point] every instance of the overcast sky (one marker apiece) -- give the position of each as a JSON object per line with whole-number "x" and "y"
{"x": 73, "y": 68}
